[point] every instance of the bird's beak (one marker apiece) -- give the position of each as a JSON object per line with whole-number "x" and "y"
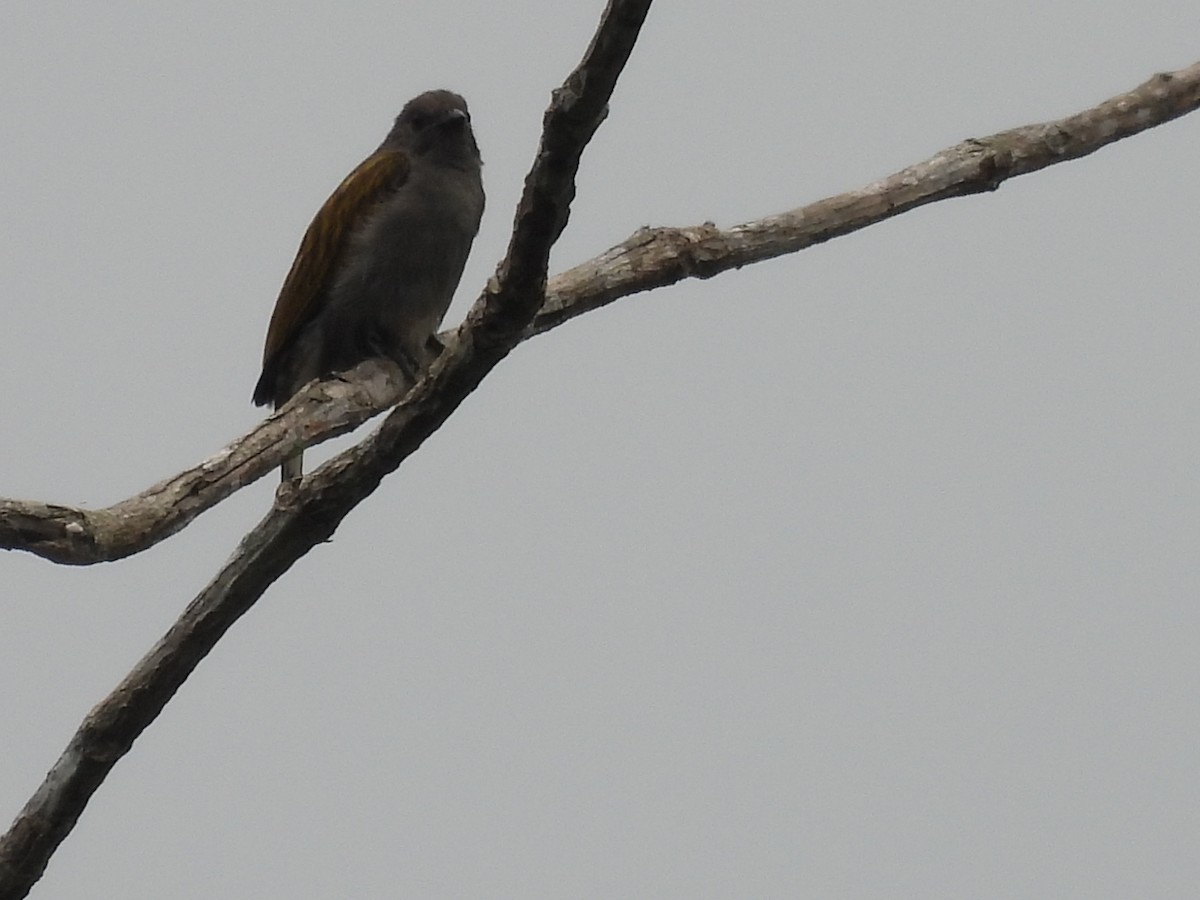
{"x": 453, "y": 117}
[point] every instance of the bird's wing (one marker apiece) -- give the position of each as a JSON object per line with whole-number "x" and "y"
{"x": 323, "y": 243}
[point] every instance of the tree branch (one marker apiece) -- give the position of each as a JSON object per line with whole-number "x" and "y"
{"x": 650, "y": 258}
{"x": 656, "y": 257}
{"x": 309, "y": 514}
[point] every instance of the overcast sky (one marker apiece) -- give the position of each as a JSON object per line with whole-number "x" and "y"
{"x": 869, "y": 572}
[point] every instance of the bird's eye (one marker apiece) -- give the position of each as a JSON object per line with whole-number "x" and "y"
{"x": 419, "y": 121}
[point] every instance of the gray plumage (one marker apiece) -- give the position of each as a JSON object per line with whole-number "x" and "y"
{"x": 380, "y": 262}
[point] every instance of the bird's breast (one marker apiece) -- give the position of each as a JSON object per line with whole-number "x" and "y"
{"x": 405, "y": 260}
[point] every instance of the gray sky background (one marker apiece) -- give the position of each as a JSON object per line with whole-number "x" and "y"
{"x": 869, "y": 572}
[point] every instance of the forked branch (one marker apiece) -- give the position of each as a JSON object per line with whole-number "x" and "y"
{"x": 309, "y": 514}
{"x": 650, "y": 258}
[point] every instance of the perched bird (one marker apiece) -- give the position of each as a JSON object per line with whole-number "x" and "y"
{"x": 379, "y": 264}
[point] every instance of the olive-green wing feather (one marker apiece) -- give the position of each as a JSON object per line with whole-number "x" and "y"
{"x": 321, "y": 249}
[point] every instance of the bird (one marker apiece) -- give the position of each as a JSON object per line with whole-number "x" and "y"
{"x": 378, "y": 266}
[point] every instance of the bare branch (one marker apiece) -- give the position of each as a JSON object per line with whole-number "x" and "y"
{"x": 323, "y": 410}
{"x": 310, "y": 513}
{"x": 656, "y": 257}
{"x": 651, "y": 258}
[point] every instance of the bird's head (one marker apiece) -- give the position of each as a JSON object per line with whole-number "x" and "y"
{"x": 436, "y": 122}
